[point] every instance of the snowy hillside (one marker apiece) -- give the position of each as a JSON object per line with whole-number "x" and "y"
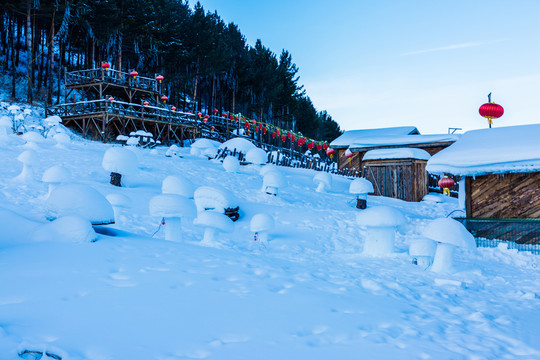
{"x": 307, "y": 293}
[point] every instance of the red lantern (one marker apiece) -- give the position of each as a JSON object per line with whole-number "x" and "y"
{"x": 111, "y": 99}
{"x": 446, "y": 183}
{"x": 164, "y": 98}
{"x": 273, "y": 134}
{"x": 349, "y": 154}
{"x": 215, "y": 111}
{"x": 134, "y": 74}
{"x": 289, "y": 135}
{"x": 212, "y": 128}
{"x": 253, "y": 122}
{"x": 257, "y": 128}
{"x": 319, "y": 147}
{"x": 173, "y": 108}
{"x": 264, "y": 130}
{"x": 491, "y": 111}
{"x": 324, "y": 146}
{"x": 106, "y": 65}
{"x": 300, "y": 142}
{"x": 246, "y": 125}
{"x": 146, "y": 103}
{"x": 224, "y": 115}
{"x": 160, "y": 78}
{"x": 283, "y": 138}
{"x": 277, "y": 132}
{"x": 311, "y": 145}
{"x": 330, "y": 152}
{"x": 206, "y": 116}
{"x": 199, "y": 114}
{"x": 236, "y": 117}
{"x": 293, "y": 138}
{"x": 231, "y": 117}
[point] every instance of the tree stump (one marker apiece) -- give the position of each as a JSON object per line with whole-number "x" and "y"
{"x": 116, "y": 179}
{"x": 361, "y": 204}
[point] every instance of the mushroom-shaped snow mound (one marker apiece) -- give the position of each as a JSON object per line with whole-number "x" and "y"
{"x": 56, "y": 174}
{"x": 361, "y": 186}
{"x": 179, "y": 185}
{"x": 203, "y": 147}
{"x": 323, "y": 181}
{"x": 380, "y": 216}
{"x": 268, "y": 168}
{"x": 82, "y": 200}
{"x": 257, "y": 156}
{"x": 262, "y": 225}
{"x": 171, "y": 205}
{"x": 381, "y": 223}
{"x": 231, "y": 164}
{"x": 238, "y": 144}
{"x": 449, "y": 231}
{"x": 120, "y": 160}
{"x": 422, "y": 251}
{"x": 213, "y": 199}
{"x": 450, "y": 234}
{"x": 28, "y": 157}
{"x": 52, "y": 120}
{"x": 5, "y": 122}
{"x": 32, "y": 136}
{"x": 272, "y": 182}
{"x": 214, "y": 223}
{"x": 62, "y": 139}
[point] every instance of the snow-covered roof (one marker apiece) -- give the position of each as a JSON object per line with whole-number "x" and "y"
{"x": 354, "y": 136}
{"x": 383, "y": 141}
{"x": 497, "y": 150}
{"x": 396, "y": 153}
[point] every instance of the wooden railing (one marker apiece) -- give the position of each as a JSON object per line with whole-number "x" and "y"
{"x": 81, "y": 77}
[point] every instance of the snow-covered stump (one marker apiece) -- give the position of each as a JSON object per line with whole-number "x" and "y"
{"x": 272, "y": 182}
{"x": 381, "y": 223}
{"x": 449, "y": 234}
{"x": 55, "y": 176}
{"x": 172, "y": 208}
{"x": 29, "y": 159}
{"x": 261, "y": 225}
{"x": 323, "y": 181}
{"x": 119, "y": 161}
{"x": 119, "y": 202}
{"x": 209, "y": 198}
{"x": 214, "y": 223}
{"x": 422, "y": 251}
{"x": 361, "y": 187}
{"x": 257, "y": 157}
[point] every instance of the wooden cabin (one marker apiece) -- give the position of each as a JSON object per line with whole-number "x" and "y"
{"x": 398, "y": 172}
{"x": 361, "y": 141}
{"x": 500, "y": 186}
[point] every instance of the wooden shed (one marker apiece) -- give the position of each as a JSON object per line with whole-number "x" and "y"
{"x": 398, "y": 173}
{"x": 500, "y": 170}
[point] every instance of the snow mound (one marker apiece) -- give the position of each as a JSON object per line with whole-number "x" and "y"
{"x": 257, "y": 156}
{"x": 214, "y": 199}
{"x": 238, "y": 144}
{"x": 70, "y": 228}
{"x": 179, "y": 185}
{"x": 361, "y": 186}
{"x": 231, "y": 164}
{"x": 78, "y": 199}
{"x": 450, "y": 231}
{"x": 120, "y": 160}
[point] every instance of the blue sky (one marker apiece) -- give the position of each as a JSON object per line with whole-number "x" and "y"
{"x": 384, "y": 63}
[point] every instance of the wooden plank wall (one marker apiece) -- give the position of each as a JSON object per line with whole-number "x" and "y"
{"x": 504, "y": 196}
{"x": 405, "y": 179}
{"x": 356, "y": 160}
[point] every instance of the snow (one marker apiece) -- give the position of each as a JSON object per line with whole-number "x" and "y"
{"x": 449, "y": 231}
{"x": 179, "y": 185}
{"x": 213, "y": 224}
{"x": 257, "y": 156}
{"x": 382, "y": 141}
{"x": 231, "y": 164}
{"x": 79, "y": 199}
{"x": 396, "y": 153}
{"x": 323, "y": 181}
{"x": 200, "y": 146}
{"x": 213, "y": 198}
{"x": 70, "y": 228}
{"x": 238, "y": 144}
{"x": 308, "y": 293}
{"x": 120, "y": 160}
{"x": 360, "y": 186}
{"x": 496, "y": 150}
{"x": 355, "y": 136}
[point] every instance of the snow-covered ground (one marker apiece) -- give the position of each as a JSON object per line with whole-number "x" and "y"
{"x": 308, "y": 293}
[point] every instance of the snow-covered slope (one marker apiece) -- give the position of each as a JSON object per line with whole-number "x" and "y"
{"x": 308, "y": 293}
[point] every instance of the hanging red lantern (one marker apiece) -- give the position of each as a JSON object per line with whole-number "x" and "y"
{"x": 199, "y": 114}
{"x": 111, "y": 99}
{"x": 283, "y": 138}
{"x": 253, "y": 122}
{"x": 273, "y": 134}
{"x": 293, "y": 138}
{"x": 160, "y": 78}
{"x": 257, "y": 128}
{"x": 277, "y": 132}
{"x": 146, "y": 103}
{"x": 224, "y": 114}
{"x": 491, "y": 111}
{"x": 134, "y": 74}
{"x": 231, "y": 117}
{"x": 265, "y": 130}
{"x": 236, "y": 117}
{"x": 212, "y": 128}
{"x": 311, "y": 145}
{"x": 164, "y": 98}
{"x": 300, "y": 143}
{"x": 318, "y": 147}
{"x": 106, "y": 66}
{"x": 324, "y": 146}
{"x": 215, "y": 111}
{"x": 289, "y": 135}
{"x": 206, "y": 116}
{"x": 446, "y": 183}
{"x": 173, "y": 108}
{"x": 246, "y": 125}
{"x": 330, "y": 152}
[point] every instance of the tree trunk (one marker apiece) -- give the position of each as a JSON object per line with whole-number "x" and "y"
{"x": 13, "y": 68}
{"x": 196, "y": 84}
{"x": 29, "y": 60}
{"x": 50, "y": 62}
{"x": 119, "y": 64}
